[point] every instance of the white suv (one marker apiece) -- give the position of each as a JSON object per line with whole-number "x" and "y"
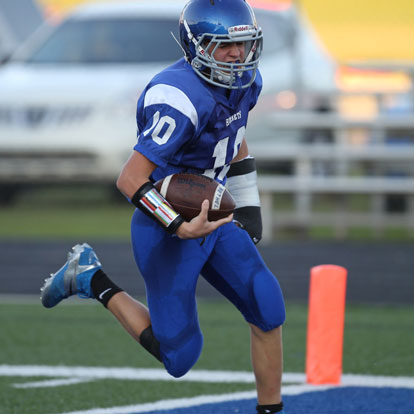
{"x": 68, "y": 96}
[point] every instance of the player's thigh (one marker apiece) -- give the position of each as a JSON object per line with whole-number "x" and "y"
{"x": 236, "y": 269}
{"x": 170, "y": 268}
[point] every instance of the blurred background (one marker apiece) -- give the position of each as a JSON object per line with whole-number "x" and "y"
{"x": 333, "y": 136}
{"x": 333, "y": 133}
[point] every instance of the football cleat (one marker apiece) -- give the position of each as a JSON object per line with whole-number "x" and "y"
{"x": 74, "y": 277}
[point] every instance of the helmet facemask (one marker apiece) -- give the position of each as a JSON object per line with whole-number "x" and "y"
{"x": 227, "y": 75}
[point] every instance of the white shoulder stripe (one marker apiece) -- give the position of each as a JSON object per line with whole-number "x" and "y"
{"x": 173, "y": 97}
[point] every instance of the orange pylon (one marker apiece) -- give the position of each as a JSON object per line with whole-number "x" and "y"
{"x": 326, "y": 317}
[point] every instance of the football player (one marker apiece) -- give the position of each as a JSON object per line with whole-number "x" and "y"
{"x": 192, "y": 118}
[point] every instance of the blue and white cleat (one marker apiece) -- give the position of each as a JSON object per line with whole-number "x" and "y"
{"x": 73, "y": 277}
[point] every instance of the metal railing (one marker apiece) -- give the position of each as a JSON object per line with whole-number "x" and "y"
{"x": 340, "y": 156}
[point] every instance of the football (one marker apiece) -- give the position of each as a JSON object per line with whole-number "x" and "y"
{"x": 185, "y": 192}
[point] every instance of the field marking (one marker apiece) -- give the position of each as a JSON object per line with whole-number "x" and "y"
{"x": 206, "y": 376}
{"x": 51, "y": 383}
{"x": 72, "y": 375}
{"x": 172, "y": 404}
{"x": 147, "y": 374}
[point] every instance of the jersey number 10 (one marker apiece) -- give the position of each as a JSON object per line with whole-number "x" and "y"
{"x": 220, "y": 152}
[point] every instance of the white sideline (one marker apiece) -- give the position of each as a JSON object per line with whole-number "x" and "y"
{"x": 72, "y": 375}
{"x": 51, "y": 383}
{"x": 152, "y": 374}
{"x": 147, "y": 374}
{"x": 164, "y": 405}
{"x": 207, "y": 376}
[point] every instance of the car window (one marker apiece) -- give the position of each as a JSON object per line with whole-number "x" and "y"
{"x": 137, "y": 40}
{"x": 110, "y": 41}
{"x": 278, "y": 31}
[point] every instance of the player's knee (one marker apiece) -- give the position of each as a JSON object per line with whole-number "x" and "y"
{"x": 179, "y": 358}
{"x": 269, "y": 301}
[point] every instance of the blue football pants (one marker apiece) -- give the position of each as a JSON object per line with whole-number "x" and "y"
{"x": 227, "y": 259}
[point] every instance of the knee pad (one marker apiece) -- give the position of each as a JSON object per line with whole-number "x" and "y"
{"x": 269, "y": 301}
{"x": 179, "y": 358}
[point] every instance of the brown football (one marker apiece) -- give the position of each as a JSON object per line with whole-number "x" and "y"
{"x": 185, "y": 192}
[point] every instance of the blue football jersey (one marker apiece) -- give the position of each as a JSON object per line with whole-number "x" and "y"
{"x": 187, "y": 125}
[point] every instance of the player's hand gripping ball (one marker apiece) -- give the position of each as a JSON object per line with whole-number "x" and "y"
{"x": 185, "y": 192}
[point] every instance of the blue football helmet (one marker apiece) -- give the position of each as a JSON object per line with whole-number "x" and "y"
{"x": 207, "y": 24}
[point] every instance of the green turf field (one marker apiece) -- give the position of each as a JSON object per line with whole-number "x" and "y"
{"x": 378, "y": 341}
{"x": 91, "y": 213}
{"x": 66, "y": 212}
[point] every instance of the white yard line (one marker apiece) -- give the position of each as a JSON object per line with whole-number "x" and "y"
{"x": 206, "y": 376}
{"x": 147, "y": 374}
{"x": 153, "y": 374}
{"x": 52, "y": 383}
{"x": 171, "y": 404}
{"x": 163, "y": 405}
{"x": 72, "y": 375}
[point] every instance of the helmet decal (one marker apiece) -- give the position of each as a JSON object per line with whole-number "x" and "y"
{"x": 244, "y": 29}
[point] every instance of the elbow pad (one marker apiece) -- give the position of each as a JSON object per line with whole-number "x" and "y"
{"x": 242, "y": 184}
